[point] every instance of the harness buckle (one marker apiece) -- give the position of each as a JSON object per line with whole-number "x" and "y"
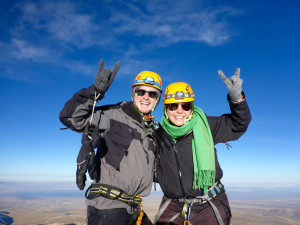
{"x": 186, "y": 212}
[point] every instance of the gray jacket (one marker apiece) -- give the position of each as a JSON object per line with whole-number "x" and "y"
{"x": 127, "y": 148}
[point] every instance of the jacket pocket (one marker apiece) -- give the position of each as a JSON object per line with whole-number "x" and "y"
{"x": 118, "y": 139}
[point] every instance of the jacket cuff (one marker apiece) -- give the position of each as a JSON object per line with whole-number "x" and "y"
{"x": 91, "y": 91}
{"x": 237, "y": 102}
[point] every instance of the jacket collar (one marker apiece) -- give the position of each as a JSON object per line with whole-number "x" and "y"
{"x": 129, "y": 109}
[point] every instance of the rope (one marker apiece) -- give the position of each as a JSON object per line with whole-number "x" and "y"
{"x": 140, "y": 218}
{"x": 93, "y": 110}
{"x": 95, "y": 102}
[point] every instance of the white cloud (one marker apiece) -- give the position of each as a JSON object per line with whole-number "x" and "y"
{"x": 53, "y": 31}
{"x": 24, "y": 50}
{"x": 175, "y": 23}
{"x": 81, "y": 68}
{"x": 65, "y": 25}
{"x": 62, "y": 21}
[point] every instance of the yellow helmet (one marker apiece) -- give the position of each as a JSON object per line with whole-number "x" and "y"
{"x": 148, "y": 78}
{"x": 178, "y": 92}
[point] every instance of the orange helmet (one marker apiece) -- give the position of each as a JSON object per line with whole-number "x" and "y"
{"x": 148, "y": 78}
{"x": 178, "y": 92}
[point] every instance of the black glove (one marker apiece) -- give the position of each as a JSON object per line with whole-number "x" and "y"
{"x": 80, "y": 175}
{"x": 87, "y": 160}
{"x": 93, "y": 166}
{"x": 89, "y": 141}
{"x": 233, "y": 84}
{"x": 90, "y": 165}
{"x": 105, "y": 77}
{"x": 90, "y": 137}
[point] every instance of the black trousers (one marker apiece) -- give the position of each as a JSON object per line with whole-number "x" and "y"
{"x": 201, "y": 214}
{"x": 118, "y": 216}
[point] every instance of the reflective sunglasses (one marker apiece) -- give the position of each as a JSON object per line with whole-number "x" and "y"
{"x": 186, "y": 106}
{"x": 141, "y": 92}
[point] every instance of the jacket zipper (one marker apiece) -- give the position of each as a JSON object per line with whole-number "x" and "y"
{"x": 179, "y": 172}
{"x": 178, "y": 167}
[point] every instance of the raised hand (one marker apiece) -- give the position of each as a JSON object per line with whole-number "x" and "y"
{"x": 233, "y": 84}
{"x": 105, "y": 77}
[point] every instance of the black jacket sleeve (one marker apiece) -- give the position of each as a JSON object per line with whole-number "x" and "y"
{"x": 77, "y": 111}
{"x": 229, "y": 127}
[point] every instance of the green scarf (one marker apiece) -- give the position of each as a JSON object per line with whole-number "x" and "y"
{"x": 203, "y": 147}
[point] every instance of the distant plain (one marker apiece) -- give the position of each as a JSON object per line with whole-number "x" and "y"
{"x": 63, "y": 204}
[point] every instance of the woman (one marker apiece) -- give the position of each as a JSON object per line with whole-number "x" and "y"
{"x": 187, "y": 166}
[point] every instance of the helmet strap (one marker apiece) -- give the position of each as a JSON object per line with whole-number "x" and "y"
{"x": 186, "y": 119}
{"x": 191, "y": 116}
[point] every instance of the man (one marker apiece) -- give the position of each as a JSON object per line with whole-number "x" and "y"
{"x": 125, "y": 134}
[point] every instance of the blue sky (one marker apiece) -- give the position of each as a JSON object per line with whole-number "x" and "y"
{"x": 51, "y": 49}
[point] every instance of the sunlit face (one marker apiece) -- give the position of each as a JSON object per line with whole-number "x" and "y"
{"x": 178, "y": 116}
{"x": 145, "y": 103}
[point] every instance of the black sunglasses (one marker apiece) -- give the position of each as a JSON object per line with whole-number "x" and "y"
{"x": 186, "y": 106}
{"x": 141, "y": 92}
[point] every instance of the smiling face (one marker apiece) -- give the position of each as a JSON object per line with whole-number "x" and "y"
{"x": 178, "y": 116}
{"x": 145, "y": 103}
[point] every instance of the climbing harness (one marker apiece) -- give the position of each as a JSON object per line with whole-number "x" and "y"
{"x": 186, "y": 212}
{"x": 149, "y": 121}
{"x": 186, "y": 209}
{"x": 114, "y": 193}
